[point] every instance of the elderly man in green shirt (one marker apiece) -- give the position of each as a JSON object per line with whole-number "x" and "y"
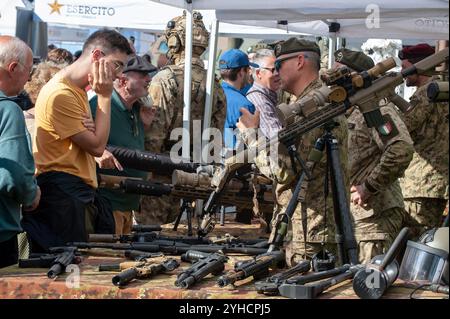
{"x": 129, "y": 118}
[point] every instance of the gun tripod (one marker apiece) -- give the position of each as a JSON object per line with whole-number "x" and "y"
{"x": 345, "y": 239}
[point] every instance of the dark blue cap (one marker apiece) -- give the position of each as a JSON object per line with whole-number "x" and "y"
{"x": 233, "y": 59}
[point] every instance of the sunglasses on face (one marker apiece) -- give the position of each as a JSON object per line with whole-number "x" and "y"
{"x": 279, "y": 62}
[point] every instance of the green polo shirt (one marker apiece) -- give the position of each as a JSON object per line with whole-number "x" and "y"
{"x": 127, "y": 131}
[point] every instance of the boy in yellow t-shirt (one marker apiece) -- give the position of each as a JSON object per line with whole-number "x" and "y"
{"x": 64, "y": 149}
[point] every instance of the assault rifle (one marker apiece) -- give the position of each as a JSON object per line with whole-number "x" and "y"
{"x": 343, "y": 90}
{"x": 202, "y": 267}
{"x": 257, "y": 267}
{"x": 270, "y": 285}
{"x": 145, "y": 268}
{"x": 57, "y": 260}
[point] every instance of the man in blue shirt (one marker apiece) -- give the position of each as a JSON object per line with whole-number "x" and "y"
{"x": 234, "y": 69}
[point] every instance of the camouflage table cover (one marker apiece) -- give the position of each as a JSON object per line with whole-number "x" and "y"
{"x": 20, "y": 283}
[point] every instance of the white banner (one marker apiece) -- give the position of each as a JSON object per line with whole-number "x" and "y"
{"x": 104, "y": 13}
{"x": 137, "y": 14}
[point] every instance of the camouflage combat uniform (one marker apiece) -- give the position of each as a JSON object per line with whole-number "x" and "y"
{"x": 166, "y": 91}
{"x": 286, "y": 179}
{"x": 425, "y": 186}
{"x": 379, "y": 158}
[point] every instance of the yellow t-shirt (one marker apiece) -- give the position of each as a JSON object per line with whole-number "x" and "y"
{"x": 59, "y": 109}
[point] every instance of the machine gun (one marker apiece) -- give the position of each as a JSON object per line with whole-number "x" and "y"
{"x": 137, "y": 186}
{"x": 145, "y": 268}
{"x": 174, "y": 248}
{"x": 257, "y": 267}
{"x": 343, "y": 90}
{"x": 193, "y": 186}
{"x": 57, "y": 260}
{"x": 149, "y": 162}
{"x": 211, "y": 264}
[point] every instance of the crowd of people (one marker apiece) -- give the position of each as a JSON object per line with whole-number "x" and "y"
{"x": 53, "y": 150}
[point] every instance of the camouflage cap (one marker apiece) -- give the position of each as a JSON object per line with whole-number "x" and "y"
{"x": 355, "y": 60}
{"x": 295, "y": 45}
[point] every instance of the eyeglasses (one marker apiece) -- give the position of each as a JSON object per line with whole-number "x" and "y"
{"x": 118, "y": 65}
{"x": 268, "y": 69}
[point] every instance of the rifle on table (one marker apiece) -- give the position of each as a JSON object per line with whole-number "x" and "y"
{"x": 145, "y": 228}
{"x": 174, "y": 248}
{"x": 203, "y": 266}
{"x": 148, "y": 237}
{"x": 145, "y": 268}
{"x": 257, "y": 267}
{"x": 308, "y": 286}
{"x": 320, "y": 106}
{"x": 56, "y": 260}
{"x": 270, "y": 285}
{"x": 149, "y": 162}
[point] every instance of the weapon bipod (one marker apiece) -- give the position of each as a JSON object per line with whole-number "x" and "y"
{"x": 186, "y": 206}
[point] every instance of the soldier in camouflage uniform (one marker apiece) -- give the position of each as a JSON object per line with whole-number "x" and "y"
{"x": 425, "y": 186}
{"x": 377, "y": 158}
{"x": 299, "y": 76}
{"x": 166, "y": 91}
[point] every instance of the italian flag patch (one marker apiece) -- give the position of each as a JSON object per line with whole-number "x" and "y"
{"x": 386, "y": 128}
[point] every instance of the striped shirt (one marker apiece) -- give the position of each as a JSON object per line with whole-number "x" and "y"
{"x": 265, "y": 101}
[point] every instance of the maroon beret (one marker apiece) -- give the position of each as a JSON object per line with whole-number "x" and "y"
{"x": 415, "y": 53}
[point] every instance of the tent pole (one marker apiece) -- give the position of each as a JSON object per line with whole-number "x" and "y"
{"x": 210, "y": 81}
{"x": 187, "y": 87}
{"x": 331, "y": 44}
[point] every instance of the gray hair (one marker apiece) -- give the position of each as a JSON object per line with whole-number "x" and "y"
{"x": 14, "y": 50}
{"x": 314, "y": 58}
{"x": 259, "y": 57}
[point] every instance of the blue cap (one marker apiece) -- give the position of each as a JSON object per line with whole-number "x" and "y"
{"x": 233, "y": 59}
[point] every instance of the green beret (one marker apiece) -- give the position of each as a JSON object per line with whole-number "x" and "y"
{"x": 295, "y": 45}
{"x": 355, "y": 60}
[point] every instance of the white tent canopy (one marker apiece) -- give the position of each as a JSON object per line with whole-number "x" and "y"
{"x": 136, "y": 14}
{"x": 8, "y": 16}
{"x": 414, "y": 19}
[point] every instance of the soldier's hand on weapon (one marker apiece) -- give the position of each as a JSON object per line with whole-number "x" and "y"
{"x": 108, "y": 161}
{"x": 359, "y": 195}
{"x": 88, "y": 122}
{"x": 248, "y": 120}
{"x": 35, "y": 202}
{"x": 101, "y": 78}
